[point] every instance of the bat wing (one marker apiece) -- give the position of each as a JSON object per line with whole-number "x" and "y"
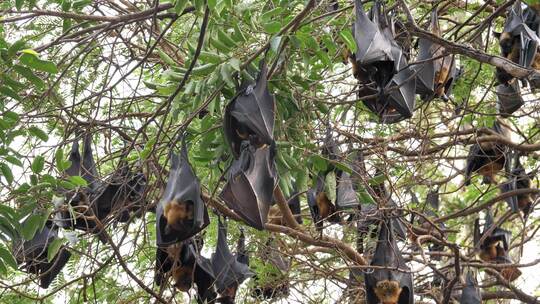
{"x": 182, "y": 185}
{"x": 372, "y": 44}
{"x": 204, "y": 279}
{"x": 401, "y": 96}
{"x": 242, "y": 254}
{"x": 345, "y": 194}
{"x": 471, "y": 293}
{"x": 294, "y": 205}
{"x": 425, "y": 77}
{"x": 252, "y": 111}
{"x": 226, "y": 268}
{"x": 50, "y": 270}
{"x": 250, "y": 187}
{"x": 89, "y": 172}
{"x": 433, "y": 199}
{"x": 529, "y": 45}
{"x": 509, "y": 98}
{"x": 75, "y": 159}
{"x": 314, "y": 209}
{"x": 512, "y": 201}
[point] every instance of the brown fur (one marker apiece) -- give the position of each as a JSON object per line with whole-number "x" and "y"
{"x": 441, "y": 77}
{"x": 510, "y": 273}
{"x": 326, "y": 208}
{"x": 183, "y": 277}
{"x": 176, "y": 213}
{"x": 489, "y": 254}
{"x": 388, "y": 291}
{"x": 274, "y": 216}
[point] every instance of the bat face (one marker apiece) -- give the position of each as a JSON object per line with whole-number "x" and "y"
{"x": 250, "y": 184}
{"x": 250, "y": 115}
{"x": 388, "y": 286}
{"x": 181, "y": 213}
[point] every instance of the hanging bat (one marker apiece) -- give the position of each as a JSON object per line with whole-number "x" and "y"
{"x": 509, "y": 98}
{"x": 435, "y": 76}
{"x": 518, "y": 42}
{"x": 394, "y": 284}
{"x": 274, "y": 214}
{"x": 494, "y": 248}
{"x": 229, "y": 272}
{"x": 519, "y": 179}
{"x": 382, "y": 59}
{"x": 250, "y": 115}
{"x": 32, "y": 255}
{"x": 251, "y": 180}
{"x": 346, "y": 197}
{"x": 470, "y": 293}
{"x": 181, "y": 212}
{"x": 487, "y": 158}
{"x": 82, "y": 201}
{"x": 320, "y": 206}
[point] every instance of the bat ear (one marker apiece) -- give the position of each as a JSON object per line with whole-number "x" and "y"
{"x": 497, "y": 35}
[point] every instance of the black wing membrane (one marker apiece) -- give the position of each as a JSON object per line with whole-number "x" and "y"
{"x": 345, "y": 194}
{"x": 509, "y": 98}
{"x": 382, "y": 59}
{"x": 294, "y": 205}
{"x": 396, "y": 281}
{"x": 182, "y": 186}
{"x": 250, "y": 115}
{"x": 471, "y": 293}
{"x": 32, "y": 255}
{"x": 250, "y": 185}
{"x": 518, "y": 179}
{"x": 228, "y": 271}
{"x": 436, "y": 75}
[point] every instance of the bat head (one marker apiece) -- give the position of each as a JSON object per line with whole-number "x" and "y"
{"x": 388, "y": 292}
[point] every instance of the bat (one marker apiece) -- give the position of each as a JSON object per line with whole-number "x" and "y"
{"x": 494, "y": 248}
{"x": 380, "y": 58}
{"x": 436, "y": 75}
{"x": 432, "y": 200}
{"x": 487, "y": 158}
{"x": 250, "y": 115}
{"x": 82, "y": 201}
{"x": 345, "y": 194}
{"x": 122, "y": 192}
{"x": 229, "y": 272}
{"x": 274, "y": 214}
{"x": 32, "y": 255}
{"x": 509, "y": 98}
{"x": 277, "y": 286}
{"x": 470, "y": 293}
{"x": 394, "y": 284}
{"x": 518, "y": 42}
{"x": 251, "y": 180}
{"x": 320, "y": 206}
{"x": 181, "y": 212}
{"x": 519, "y": 179}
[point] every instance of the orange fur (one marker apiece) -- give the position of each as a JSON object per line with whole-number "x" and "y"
{"x": 388, "y": 291}
{"x": 489, "y": 254}
{"x": 183, "y": 277}
{"x": 176, "y": 213}
{"x": 326, "y": 208}
{"x": 274, "y": 216}
{"x": 510, "y": 273}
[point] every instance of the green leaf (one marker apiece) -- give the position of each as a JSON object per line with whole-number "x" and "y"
{"x": 347, "y": 37}
{"x": 13, "y": 160}
{"x": 29, "y": 75}
{"x": 225, "y": 39}
{"x": 54, "y": 247}
{"x": 34, "y": 62}
{"x": 31, "y": 226}
{"x": 179, "y": 6}
{"x": 78, "y": 181}
{"x": 272, "y": 27}
{"x": 210, "y": 57}
{"x": 226, "y": 73}
{"x": 145, "y": 153}
{"x": 19, "y": 4}
{"x": 8, "y": 258}
{"x": 38, "y": 164}
{"x": 66, "y": 5}
{"x": 212, "y": 4}
{"x": 6, "y": 172}
{"x": 9, "y": 92}
{"x": 235, "y": 63}
{"x": 37, "y": 132}
{"x": 330, "y": 185}
{"x": 10, "y": 115}
{"x": 15, "y": 47}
